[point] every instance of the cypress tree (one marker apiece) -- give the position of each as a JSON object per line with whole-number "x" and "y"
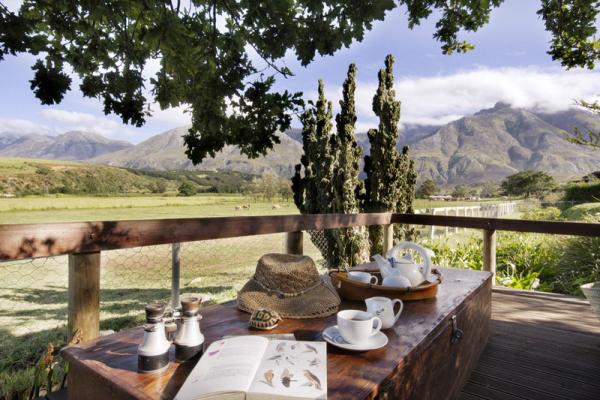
{"x": 313, "y": 192}
{"x": 331, "y": 166}
{"x": 407, "y": 189}
{"x": 389, "y": 185}
{"x": 353, "y": 243}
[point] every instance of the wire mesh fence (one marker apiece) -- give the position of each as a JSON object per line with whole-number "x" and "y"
{"x": 33, "y": 293}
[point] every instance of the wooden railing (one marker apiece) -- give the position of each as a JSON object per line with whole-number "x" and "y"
{"x": 83, "y": 242}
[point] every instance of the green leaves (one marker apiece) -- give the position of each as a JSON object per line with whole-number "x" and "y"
{"x": 586, "y": 137}
{"x": 203, "y": 48}
{"x": 49, "y": 83}
{"x": 123, "y": 95}
{"x": 528, "y": 183}
{"x": 573, "y": 27}
{"x": 456, "y": 15}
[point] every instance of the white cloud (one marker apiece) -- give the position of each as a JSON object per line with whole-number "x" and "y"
{"x": 175, "y": 116}
{"x": 440, "y": 99}
{"x": 62, "y": 120}
{"x": 425, "y": 100}
{"x": 23, "y": 126}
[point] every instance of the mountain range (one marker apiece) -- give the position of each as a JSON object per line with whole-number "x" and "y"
{"x": 484, "y": 147}
{"x": 165, "y": 151}
{"x": 71, "y": 146}
{"x": 494, "y": 143}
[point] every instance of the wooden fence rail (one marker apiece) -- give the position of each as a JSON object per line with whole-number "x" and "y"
{"x": 84, "y": 242}
{"x": 495, "y": 210}
{"x": 20, "y": 241}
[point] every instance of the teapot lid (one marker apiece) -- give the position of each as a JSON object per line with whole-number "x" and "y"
{"x": 406, "y": 259}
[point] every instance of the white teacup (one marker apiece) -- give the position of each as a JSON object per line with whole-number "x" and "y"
{"x": 364, "y": 277}
{"x": 356, "y": 327}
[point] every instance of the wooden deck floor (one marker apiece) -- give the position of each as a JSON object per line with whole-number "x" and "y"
{"x": 541, "y": 346}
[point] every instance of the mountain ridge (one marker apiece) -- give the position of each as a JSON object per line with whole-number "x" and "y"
{"x": 485, "y": 146}
{"x": 69, "y": 146}
{"x": 494, "y": 143}
{"x": 165, "y": 151}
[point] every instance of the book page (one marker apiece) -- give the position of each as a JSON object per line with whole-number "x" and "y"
{"x": 228, "y": 365}
{"x": 291, "y": 370}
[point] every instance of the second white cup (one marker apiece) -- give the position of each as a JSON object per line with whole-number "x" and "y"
{"x": 356, "y": 327}
{"x": 364, "y": 277}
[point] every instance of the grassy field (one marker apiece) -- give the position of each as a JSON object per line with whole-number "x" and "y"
{"x": 62, "y": 208}
{"x": 76, "y": 208}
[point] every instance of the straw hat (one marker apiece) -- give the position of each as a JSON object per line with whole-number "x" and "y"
{"x": 291, "y": 286}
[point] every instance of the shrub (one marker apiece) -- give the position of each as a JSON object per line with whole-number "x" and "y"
{"x": 579, "y": 263}
{"x": 581, "y": 211}
{"x": 518, "y": 280}
{"x": 43, "y": 170}
{"x": 543, "y": 214}
{"x": 583, "y": 192}
{"x": 186, "y": 189}
{"x": 158, "y": 187}
{"x": 463, "y": 255}
{"x": 521, "y": 258}
{"x": 528, "y": 252}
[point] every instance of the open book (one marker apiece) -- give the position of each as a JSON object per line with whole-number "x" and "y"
{"x": 251, "y": 367}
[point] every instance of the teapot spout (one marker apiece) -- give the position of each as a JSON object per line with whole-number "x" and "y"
{"x": 383, "y": 264}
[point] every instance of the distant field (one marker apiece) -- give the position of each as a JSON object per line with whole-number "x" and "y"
{"x": 30, "y": 177}
{"x": 62, "y": 208}
{"x": 24, "y": 165}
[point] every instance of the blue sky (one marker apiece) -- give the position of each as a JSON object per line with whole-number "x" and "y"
{"x": 509, "y": 64}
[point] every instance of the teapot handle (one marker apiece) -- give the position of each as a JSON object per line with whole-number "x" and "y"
{"x": 397, "y": 315}
{"x": 425, "y": 253}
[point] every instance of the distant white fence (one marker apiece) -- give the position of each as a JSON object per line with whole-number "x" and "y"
{"x": 483, "y": 210}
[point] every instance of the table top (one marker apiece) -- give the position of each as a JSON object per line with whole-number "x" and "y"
{"x": 113, "y": 358}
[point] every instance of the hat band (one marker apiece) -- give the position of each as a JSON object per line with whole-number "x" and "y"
{"x": 288, "y": 294}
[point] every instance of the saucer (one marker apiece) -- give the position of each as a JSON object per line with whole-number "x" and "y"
{"x": 332, "y": 335}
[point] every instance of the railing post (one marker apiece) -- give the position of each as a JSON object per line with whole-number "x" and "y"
{"x": 489, "y": 252}
{"x": 388, "y": 237}
{"x": 175, "y": 275}
{"x": 294, "y": 243}
{"x": 84, "y": 295}
{"x": 433, "y": 226}
{"x": 446, "y": 227}
{"x": 457, "y": 214}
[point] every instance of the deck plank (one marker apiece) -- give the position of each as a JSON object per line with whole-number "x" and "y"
{"x": 541, "y": 346}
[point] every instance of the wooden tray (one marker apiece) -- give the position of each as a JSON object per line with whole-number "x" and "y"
{"x": 353, "y": 290}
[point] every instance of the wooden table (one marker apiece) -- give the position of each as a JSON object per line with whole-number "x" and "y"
{"x": 421, "y": 361}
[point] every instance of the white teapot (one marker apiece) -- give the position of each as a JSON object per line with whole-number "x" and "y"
{"x": 404, "y": 272}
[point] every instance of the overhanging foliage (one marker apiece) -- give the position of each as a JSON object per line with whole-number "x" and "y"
{"x": 207, "y": 50}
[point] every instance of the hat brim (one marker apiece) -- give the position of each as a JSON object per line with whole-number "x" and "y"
{"x": 319, "y": 302}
